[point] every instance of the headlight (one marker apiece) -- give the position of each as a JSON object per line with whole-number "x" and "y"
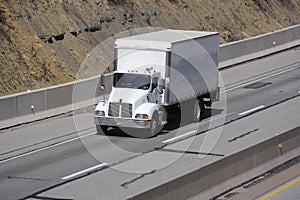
{"x": 142, "y": 116}
{"x": 99, "y": 113}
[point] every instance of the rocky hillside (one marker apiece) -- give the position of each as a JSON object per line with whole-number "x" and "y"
{"x": 43, "y": 42}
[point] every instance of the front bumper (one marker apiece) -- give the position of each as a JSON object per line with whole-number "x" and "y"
{"x": 122, "y": 123}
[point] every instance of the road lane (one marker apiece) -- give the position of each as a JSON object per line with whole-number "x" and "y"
{"x": 288, "y": 191}
{"x": 280, "y": 183}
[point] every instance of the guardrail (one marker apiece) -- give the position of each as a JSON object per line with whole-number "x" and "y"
{"x": 47, "y": 102}
{"x": 229, "y": 171}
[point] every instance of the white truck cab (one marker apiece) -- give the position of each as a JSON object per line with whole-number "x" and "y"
{"x": 134, "y": 102}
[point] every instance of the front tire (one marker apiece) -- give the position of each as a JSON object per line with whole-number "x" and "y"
{"x": 145, "y": 133}
{"x": 154, "y": 128}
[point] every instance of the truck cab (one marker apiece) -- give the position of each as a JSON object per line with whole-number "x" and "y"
{"x": 134, "y": 103}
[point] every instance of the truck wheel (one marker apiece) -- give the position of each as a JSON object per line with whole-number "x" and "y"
{"x": 198, "y": 111}
{"x": 101, "y": 130}
{"x": 154, "y": 128}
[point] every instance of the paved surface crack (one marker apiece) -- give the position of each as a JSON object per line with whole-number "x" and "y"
{"x": 26, "y": 178}
{"x": 51, "y": 198}
{"x": 257, "y": 85}
{"x": 125, "y": 185}
{"x": 191, "y": 152}
{"x": 243, "y": 135}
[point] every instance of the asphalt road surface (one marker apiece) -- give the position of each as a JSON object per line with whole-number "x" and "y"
{"x": 49, "y": 153}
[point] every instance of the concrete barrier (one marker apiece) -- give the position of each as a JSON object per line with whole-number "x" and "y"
{"x": 43, "y": 103}
{"x": 59, "y": 96}
{"x": 8, "y": 107}
{"x": 35, "y": 105}
{"x": 259, "y": 46}
{"x": 30, "y": 103}
{"x": 213, "y": 179}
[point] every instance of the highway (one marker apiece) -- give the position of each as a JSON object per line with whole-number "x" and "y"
{"x": 57, "y": 157}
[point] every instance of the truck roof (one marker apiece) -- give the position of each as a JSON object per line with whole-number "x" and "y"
{"x": 159, "y": 40}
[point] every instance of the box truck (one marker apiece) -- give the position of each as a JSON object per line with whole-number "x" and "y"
{"x": 157, "y": 73}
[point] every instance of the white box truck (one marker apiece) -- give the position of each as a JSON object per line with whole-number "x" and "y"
{"x": 156, "y": 73}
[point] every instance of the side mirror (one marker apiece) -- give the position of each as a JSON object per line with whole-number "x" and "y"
{"x": 161, "y": 84}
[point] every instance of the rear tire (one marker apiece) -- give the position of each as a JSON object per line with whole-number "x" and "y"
{"x": 101, "y": 129}
{"x": 197, "y": 111}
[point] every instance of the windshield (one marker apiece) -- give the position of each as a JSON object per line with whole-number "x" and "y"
{"x": 136, "y": 81}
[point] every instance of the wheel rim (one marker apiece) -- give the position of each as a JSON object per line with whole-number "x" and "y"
{"x": 154, "y": 125}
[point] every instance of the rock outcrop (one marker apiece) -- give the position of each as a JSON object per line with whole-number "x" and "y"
{"x": 43, "y": 43}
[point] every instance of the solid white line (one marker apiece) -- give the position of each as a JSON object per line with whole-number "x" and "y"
{"x": 252, "y": 110}
{"x": 45, "y": 148}
{"x": 84, "y": 171}
{"x": 179, "y": 137}
{"x": 257, "y": 80}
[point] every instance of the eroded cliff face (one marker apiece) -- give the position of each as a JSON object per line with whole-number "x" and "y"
{"x": 43, "y": 42}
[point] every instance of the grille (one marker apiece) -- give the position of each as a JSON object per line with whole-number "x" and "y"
{"x": 114, "y": 109}
{"x": 126, "y": 110}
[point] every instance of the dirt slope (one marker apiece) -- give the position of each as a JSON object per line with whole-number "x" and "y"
{"x": 44, "y": 42}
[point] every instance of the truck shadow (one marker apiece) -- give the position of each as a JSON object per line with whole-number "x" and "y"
{"x": 175, "y": 121}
